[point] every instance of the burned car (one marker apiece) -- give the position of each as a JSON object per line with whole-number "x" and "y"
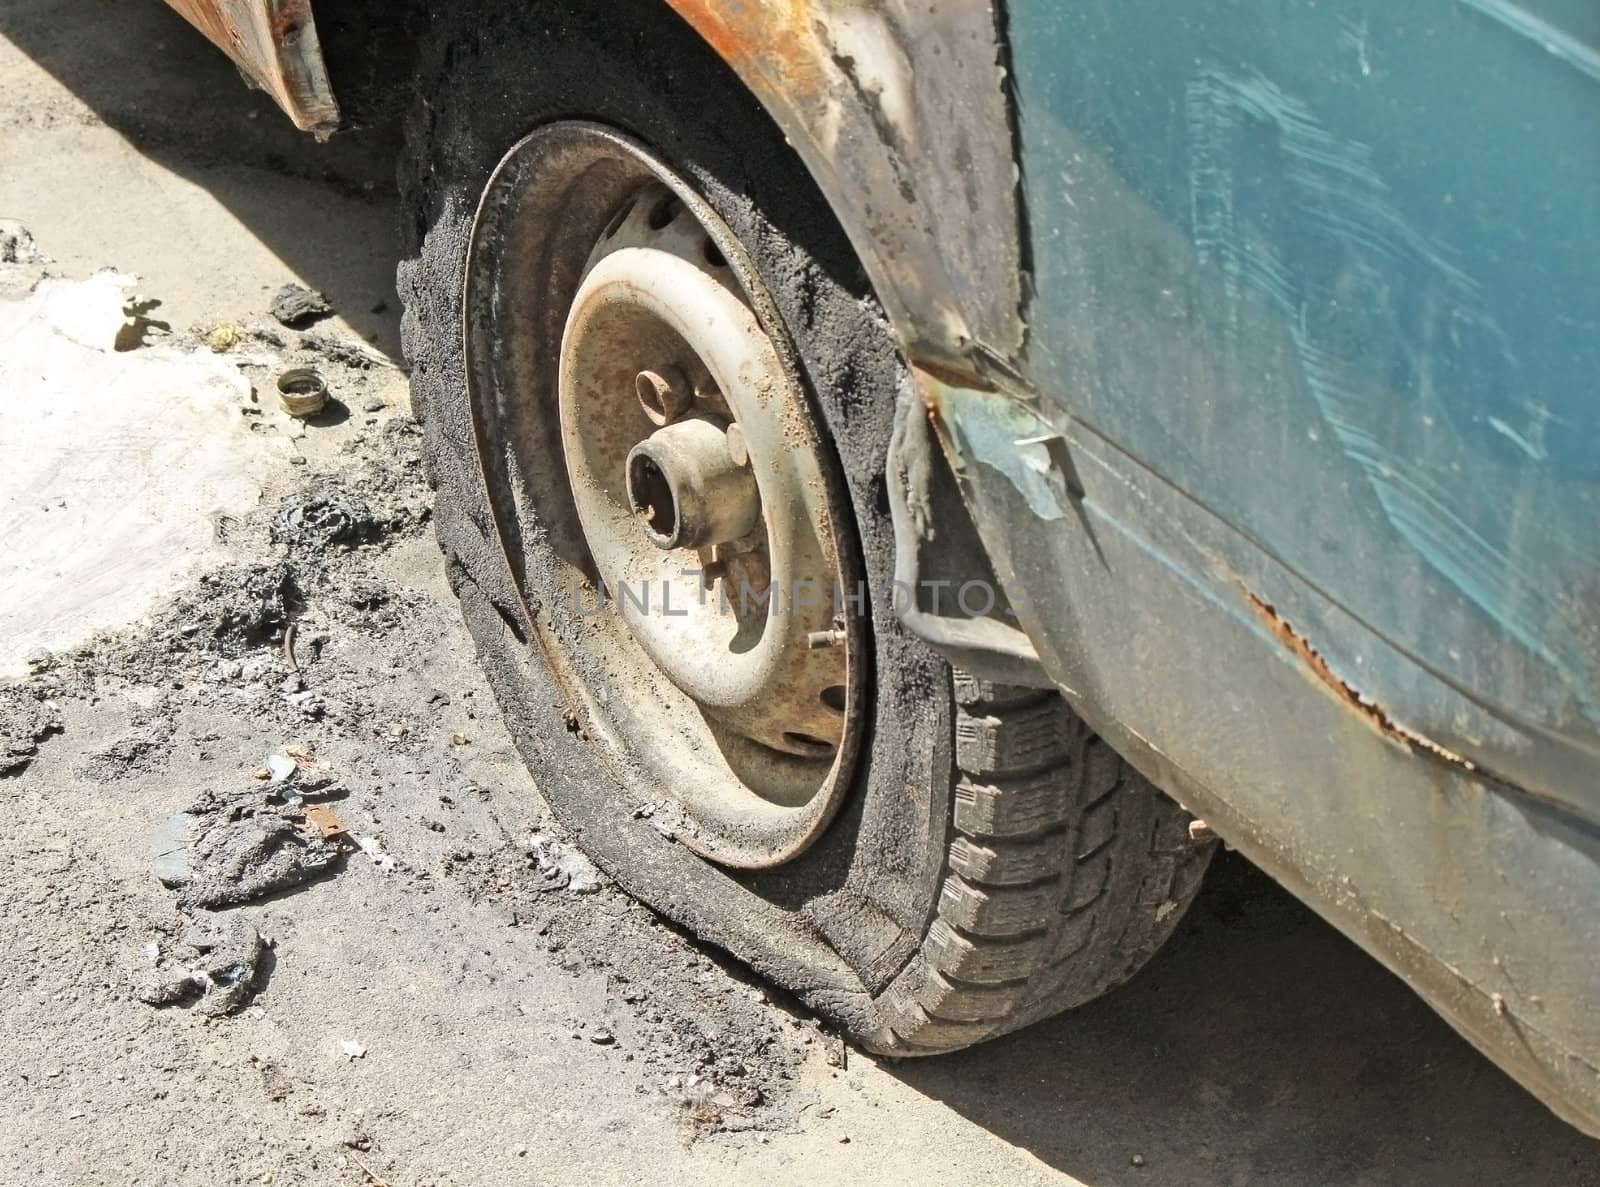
{"x": 918, "y": 475}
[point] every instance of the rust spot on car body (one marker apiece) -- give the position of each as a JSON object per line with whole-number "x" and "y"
{"x": 1370, "y": 711}
{"x": 1374, "y": 714}
{"x": 778, "y": 40}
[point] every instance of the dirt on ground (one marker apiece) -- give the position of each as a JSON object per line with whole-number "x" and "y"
{"x": 281, "y": 901}
{"x": 279, "y": 816}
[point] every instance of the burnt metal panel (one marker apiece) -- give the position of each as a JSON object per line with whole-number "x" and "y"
{"x": 900, "y": 111}
{"x": 275, "y": 44}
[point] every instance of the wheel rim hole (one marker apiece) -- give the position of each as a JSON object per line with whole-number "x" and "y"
{"x": 714, "y": 256}
{"x": 833, "y": 697}
{"x": 618, "y": 219}
{"x": 661, "y": 399}
{"x": 651, "y": 496}
{"x": 808, "y": 744}
{"x": 663, "y": 212}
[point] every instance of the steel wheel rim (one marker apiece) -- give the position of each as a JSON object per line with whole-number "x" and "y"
{"x": 741, "y": 718}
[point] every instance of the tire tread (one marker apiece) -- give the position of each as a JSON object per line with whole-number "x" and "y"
{"x": 1065, "y": 870}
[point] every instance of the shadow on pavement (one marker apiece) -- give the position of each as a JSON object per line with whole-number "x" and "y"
{"x": 1259, "y": 1047}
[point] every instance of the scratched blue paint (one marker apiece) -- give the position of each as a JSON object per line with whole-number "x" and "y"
{"x": 1333, "y": 271}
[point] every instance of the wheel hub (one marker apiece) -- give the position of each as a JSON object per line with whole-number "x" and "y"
{"x": 686, "y": 488}
{"x": 660, "y": 359}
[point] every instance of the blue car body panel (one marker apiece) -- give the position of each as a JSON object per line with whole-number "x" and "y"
{"x": 1331, "y": 271}
{"x": 1296, "y": 485}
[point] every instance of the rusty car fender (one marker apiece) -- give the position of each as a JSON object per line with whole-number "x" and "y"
{"x": 917, "y": 162}
{"x": 903, "y": 115}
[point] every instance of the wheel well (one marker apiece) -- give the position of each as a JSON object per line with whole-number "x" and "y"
{"x": 371, "y": 48}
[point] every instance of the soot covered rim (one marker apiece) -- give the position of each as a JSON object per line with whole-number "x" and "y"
{"x": 664, "y": 492}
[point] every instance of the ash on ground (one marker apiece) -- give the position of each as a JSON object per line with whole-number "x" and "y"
{"x": 308, "y": 642}
{"x": 215, "y": 966}
{"x": 241, "y": 844}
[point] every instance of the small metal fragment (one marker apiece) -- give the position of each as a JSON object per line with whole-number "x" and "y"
{"x": 325, "y": 821}
{"x": 303, "y": 391}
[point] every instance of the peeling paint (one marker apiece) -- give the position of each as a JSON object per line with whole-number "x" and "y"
{"x": 865, "y": 47}
{"x": 1375, "y": 715}
{"x": 1004, "y": 436}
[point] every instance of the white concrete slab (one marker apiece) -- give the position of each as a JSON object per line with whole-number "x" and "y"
{"x": 115, "y": 465}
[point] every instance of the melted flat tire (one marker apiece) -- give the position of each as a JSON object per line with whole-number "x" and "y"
{"x": 989, "y": 861}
